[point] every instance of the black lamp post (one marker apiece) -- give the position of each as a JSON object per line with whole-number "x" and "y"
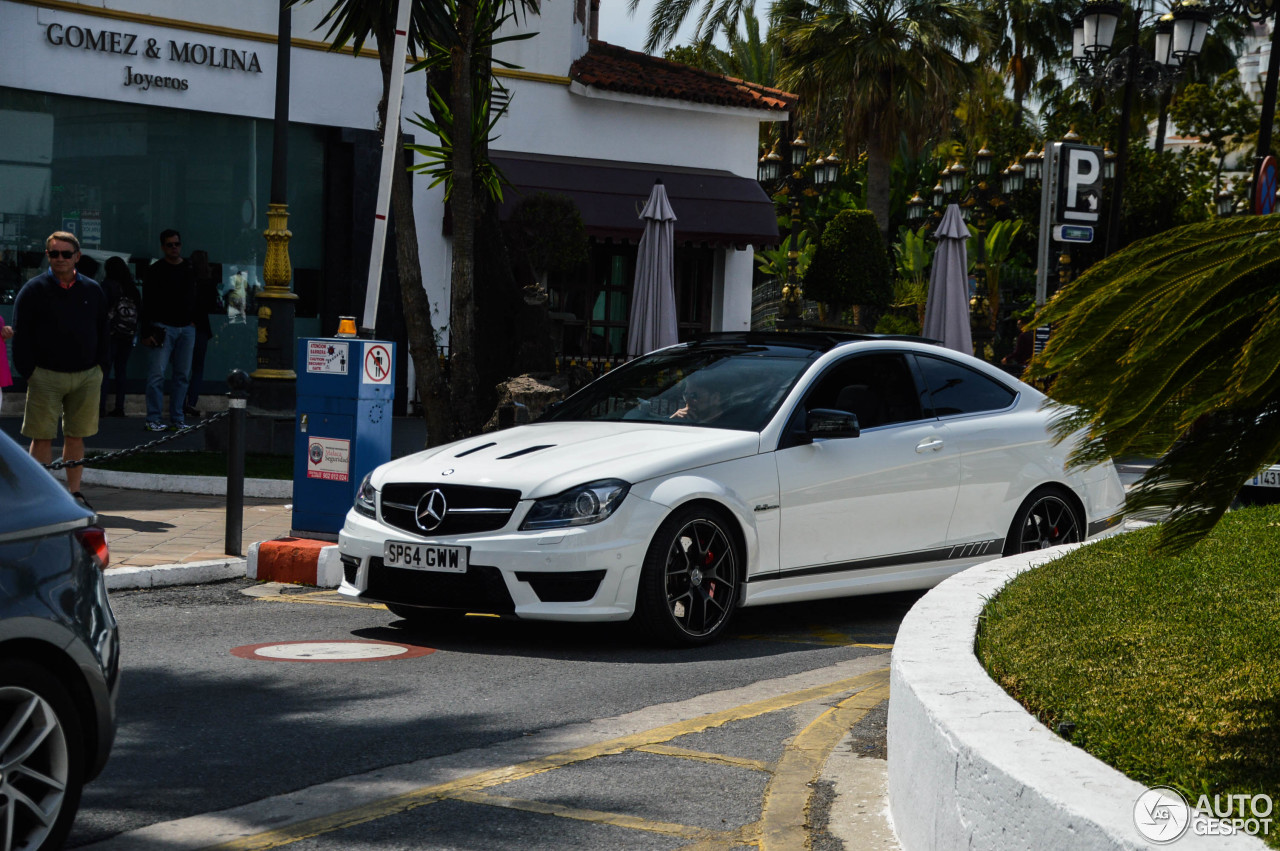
{"x": 1178, "y": 39}
{"x": 275, "y": 379}
{"x": 822, "y": 173}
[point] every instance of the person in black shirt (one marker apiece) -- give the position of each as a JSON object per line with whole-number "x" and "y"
{"x": 168, "y": 326}
{"x": 120, "y": 289}
{"x": 60, "y": 345}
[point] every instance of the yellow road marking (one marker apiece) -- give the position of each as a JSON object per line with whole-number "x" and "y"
{"x": 477, "y": 782}
{"x": 703, "y": 756}
{"x": 615, "y": 819}
{"x": 786, "y": 799}
{"x": 306, "y": 598}
{"x": 302, "y": 598}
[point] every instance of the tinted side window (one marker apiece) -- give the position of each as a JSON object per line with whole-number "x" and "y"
{"x": 877, "y": 388}
{"x": 956, "y": 389}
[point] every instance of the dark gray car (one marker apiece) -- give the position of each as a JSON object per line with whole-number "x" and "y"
{"x": 59, "y": 653}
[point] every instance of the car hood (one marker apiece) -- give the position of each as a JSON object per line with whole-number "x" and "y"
{"x": 543, "y": 459}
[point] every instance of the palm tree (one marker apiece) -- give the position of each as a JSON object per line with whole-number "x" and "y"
{"x": 352, "y": 23}
{"x": 669, "y": 15}
{"x": 1170, "y": 348}
{"x": 1031, "y": 35}
{"x": 750, "y": 57}
{"x": 456, "y": 36}
{"x": 892, "y": 68}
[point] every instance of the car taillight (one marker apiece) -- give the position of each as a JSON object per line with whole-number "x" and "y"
{"x": 94, "y": 539}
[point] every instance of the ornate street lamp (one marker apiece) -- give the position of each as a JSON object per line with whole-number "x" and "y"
{"x": 769, "y": 167}
{"x": 822, "y": 173}
{"x": 1128, "y": 69}
{"x": 1226, "y": 203}
{"x": 977, "y": 198}
{"x": 917, "y": 210}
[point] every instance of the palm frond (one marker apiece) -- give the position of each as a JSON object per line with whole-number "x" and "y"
{"x": 1171, "y": 348}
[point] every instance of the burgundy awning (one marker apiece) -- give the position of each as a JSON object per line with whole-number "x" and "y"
{"x": 711, "y": 207}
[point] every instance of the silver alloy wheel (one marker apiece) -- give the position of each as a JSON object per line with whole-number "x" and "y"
{"x": 1049, "y": 521}
{"x": 34, "y": 768}
{"x": 701, "y": 578}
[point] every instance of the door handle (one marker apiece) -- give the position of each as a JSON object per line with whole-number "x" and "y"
{"x": 933, "y": 443}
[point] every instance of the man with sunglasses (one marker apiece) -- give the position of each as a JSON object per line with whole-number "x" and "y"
{"x": 60, "y": 344}
{"x": 168, "y": 327}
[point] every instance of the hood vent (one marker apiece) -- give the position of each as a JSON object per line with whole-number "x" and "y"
{"x": 526, "y": 451}
{"x": 475, "y": 449}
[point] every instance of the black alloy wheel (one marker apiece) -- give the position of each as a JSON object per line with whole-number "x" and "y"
{"x": 690, "y": 583}
{"x": 1047, "y": 518}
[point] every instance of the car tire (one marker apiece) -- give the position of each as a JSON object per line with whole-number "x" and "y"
{"x": 425, "y": 618}
{"x": 42, "y": 758}
{"x": 691, "y": 579}
{"x": 1046, "y": 518}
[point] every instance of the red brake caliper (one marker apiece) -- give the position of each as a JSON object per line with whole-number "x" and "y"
{"x": 711, "y": 586}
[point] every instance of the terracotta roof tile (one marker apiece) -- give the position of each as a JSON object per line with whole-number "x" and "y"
{"x": 616, "y": 69}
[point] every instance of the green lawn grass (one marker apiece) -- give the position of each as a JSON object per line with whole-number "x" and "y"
{"x": 1169, "y": 667}
{"x": 256, "y": 465}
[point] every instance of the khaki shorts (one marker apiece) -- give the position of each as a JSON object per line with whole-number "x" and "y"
{"x": 73, "y": 396}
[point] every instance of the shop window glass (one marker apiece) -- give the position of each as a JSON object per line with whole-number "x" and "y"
{"x": 117, "y": 174}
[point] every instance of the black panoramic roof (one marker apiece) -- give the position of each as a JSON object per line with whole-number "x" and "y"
{"x": 821, "y": 341}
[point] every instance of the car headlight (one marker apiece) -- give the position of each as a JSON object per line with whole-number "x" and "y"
{"x": 367, "y": 498}
{"x": 580, "y": 506}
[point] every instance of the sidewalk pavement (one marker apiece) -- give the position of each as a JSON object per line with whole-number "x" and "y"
{"x": 158, "y": 538}
{"x": 164, "y": 538}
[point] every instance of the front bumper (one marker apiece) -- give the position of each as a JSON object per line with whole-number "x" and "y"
{"x": 583, "y": 573}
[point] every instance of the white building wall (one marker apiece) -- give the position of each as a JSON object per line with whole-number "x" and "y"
{"x": 337, "y": 89}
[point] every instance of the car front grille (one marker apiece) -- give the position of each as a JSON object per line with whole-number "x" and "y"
{"x": 468, "y": 509}
{"x": 481, "y": 589}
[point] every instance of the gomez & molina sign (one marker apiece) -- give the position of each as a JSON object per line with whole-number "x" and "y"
{"x": 150, "y": 49}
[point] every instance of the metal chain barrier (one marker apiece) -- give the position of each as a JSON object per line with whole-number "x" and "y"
{"x": 142, "y": 447}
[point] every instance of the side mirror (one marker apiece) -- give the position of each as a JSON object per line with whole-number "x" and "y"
{"x": 829, "y": 423}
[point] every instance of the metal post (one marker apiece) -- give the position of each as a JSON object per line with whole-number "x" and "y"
{"x": 1048, "y": 188}
{"x": 238, "y": 381}
{"x": 1122, "y": 144}
{"x": 390, "y": 157}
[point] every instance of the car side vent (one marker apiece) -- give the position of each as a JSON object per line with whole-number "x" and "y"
{"x": 475, "y": 449}
{"x": 525, "y": 451}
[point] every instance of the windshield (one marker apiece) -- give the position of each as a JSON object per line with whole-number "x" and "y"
{"x": 731, "y": 387}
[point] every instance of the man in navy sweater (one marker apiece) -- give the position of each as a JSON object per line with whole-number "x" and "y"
{"x": 60, "y": 344}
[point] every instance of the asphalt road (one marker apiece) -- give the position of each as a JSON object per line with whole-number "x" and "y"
{"x": 203, "y": 730}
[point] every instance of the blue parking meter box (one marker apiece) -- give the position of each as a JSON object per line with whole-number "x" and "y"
{"x": 343, "y": 426}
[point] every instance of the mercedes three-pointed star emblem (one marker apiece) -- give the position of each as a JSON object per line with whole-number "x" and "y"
{"x": 431, "y": 510}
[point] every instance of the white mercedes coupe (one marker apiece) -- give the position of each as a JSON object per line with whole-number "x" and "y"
{"x": 739, "y": 470}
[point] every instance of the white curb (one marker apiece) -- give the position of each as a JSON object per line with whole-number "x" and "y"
{"x": 212, "y": 485}
{"x": 191, "y": 573}
{"x": 969, "y": 767}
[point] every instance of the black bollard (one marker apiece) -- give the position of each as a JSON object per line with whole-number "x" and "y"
{"x": 238, "y": 382}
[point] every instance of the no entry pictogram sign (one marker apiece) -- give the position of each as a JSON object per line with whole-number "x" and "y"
{"x": 377, "y": 364}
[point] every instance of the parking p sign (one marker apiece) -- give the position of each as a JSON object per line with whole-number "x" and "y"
{"x": 1079, "y": 184}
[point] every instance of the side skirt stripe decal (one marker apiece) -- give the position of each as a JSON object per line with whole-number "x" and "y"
{"x": 971, "y": 550}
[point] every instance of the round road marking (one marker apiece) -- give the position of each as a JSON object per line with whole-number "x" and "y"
{"x": 329, "y": 651}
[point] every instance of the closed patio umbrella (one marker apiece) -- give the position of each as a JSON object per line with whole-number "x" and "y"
{"x": 652, "y": 323}
{"x": 946, "y": 313}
